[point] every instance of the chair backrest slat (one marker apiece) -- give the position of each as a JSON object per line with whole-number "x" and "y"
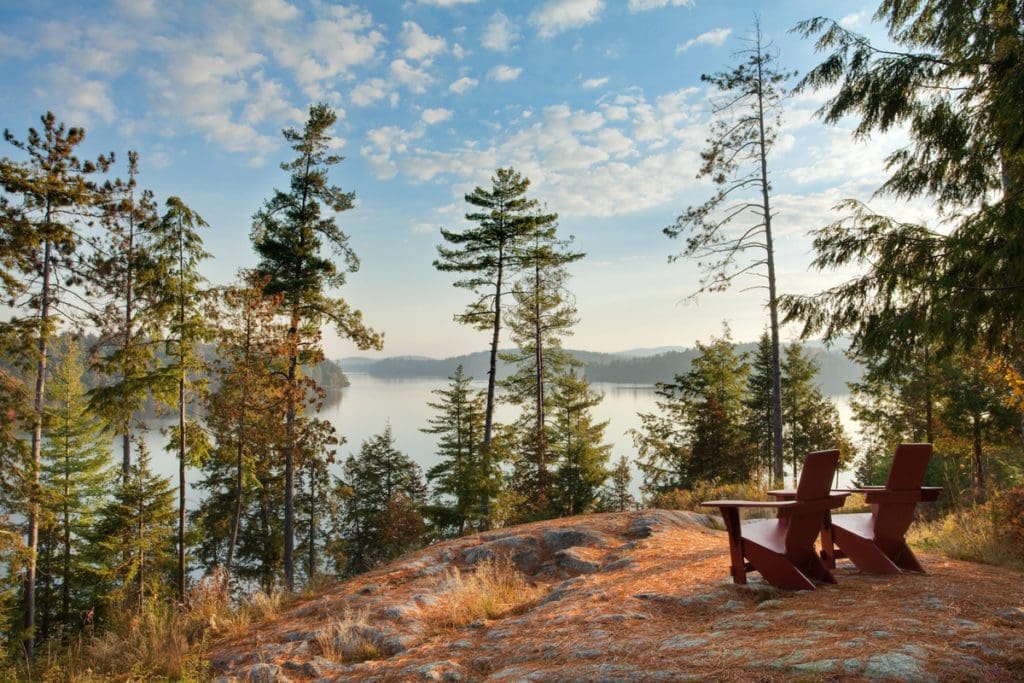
{"x": 908, "y": 466}
{"x": 892, "y": 520}
{"x": 816, "y": 477}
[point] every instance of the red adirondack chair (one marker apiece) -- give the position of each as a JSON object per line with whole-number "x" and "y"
{"x": 782, "y": 549}
{"x": 874, "y": 541}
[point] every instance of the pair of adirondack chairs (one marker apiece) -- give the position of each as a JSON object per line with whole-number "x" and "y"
{"x": 782, "y": 549}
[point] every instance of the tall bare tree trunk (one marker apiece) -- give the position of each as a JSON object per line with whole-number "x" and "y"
{"x": 773, "y": 302}
{"x": 32, "y": 534}
{"x": 492, "y": 374}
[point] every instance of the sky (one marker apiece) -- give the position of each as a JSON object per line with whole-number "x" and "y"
{"x": 598, "y": 102}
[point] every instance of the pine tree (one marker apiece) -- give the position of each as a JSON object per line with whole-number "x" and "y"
{"x": 289, "y": 234}
{"x": 759, "y": 419}
{"x": 74, "y": 480}
{"x": 382, "y": 518}
{"x": 243, "y": 413}
{"x": 488, "y": 255}
{"x": 124, "y": 273}
{"x": 615, "y": 495}
{"x": 134, "y": 537}
{"x": 698, "y": 435}
{"x": 318, "y": 444}
{"x": 542, "y": 315}
{"x": 38, "y": 230}
{"x": 748, "y": 117}
{"x": 812, "y": 421}
{"x": 949, "y": 76}
{"x": 458, "y": 480}
{"x": 178, "y": 250}
{"x": 577, "y": 443}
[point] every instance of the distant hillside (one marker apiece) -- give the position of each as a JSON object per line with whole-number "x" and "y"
{"x": 836, "y": 368}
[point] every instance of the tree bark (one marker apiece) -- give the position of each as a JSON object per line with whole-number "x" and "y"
{"x": 492, "y": 373}
{"x": 773, "y": 302}
{"x": 32, "y": 534}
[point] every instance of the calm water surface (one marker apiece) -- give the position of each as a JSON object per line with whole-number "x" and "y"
{"x": 369, "y": 404}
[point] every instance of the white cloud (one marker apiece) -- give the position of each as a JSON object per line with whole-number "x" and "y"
{"x": 420, "y": 45}
{"x": 88, "y": 98}
{"x": 462, "y": 85}
{"x": 852, "y": 20}
{"x": 592, "y": 83}
{"x": 272, "y": 10}
{"x": 504, "y": 73}
{"x": 645, "y": 5}
{"x": 413, "y": 78}
{"x": 715, "y": 37}
{"x": 558, "y": 16}
{"x": 446, "y": 3}
{"x": 326, "y": 49}
{"x": 458, "y": 51}
{"x": 368, "y": 92}
{"x": 432, "y": 116}
{"x": 383, "y": 144}
{"x": 500, "y": 34}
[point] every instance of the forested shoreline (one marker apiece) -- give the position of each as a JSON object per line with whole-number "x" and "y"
{"x": 110, "y": 320}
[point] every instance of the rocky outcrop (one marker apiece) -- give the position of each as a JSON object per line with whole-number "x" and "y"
{"x": 641, "y": 596}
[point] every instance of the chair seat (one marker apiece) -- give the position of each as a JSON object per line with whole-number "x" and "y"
{"x": 859, "y": 523}
{"x": 769, "y": 533}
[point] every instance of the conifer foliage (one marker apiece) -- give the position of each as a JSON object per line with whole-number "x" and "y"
{"x": 290, "y": 234}
{"x": 731, "y": 234}
{"x": 489, "y": 256}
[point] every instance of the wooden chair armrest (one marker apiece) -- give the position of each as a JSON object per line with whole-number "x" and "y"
{"x": 912, "y": 496}
{"x": 783, "y": 494}
{"x": 785, "y": 507}
{"x": 748, "y": 503}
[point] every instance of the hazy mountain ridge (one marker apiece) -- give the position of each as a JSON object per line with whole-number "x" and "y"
{"x": 636, "y": 366}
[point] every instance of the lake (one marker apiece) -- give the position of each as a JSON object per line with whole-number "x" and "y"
{"x": 368, "y": 404}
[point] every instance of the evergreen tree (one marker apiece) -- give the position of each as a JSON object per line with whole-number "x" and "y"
{"x": 698, "y": 435}
{"x": 243, "y": 414}
{"x": 760, "y": 409}
{"x": 74, "y": 480}
{"x": 134, "y": 537}
{"x": 47, "y": 194}
{"x": 748, "y": 117}
{"x": 124, "y": 273}
{"x": 615, "y": 495}
{"x": 488, "y": 256}
{"x": 289, "y": 234}
{"x": 812, "y": 421}
{"x": 458, "y": 479}
{"x": 949, "y": 75}
{"x": 382, "y": 511}
{"x": 543, "y": 313}
{"x": 178, "y": 249}
{"x": 318, "y": 445}
{"x": 576, "y": 442}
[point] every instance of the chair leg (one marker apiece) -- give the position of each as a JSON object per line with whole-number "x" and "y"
{"x": 777, "y": 570}
{"x": 904, "y": 558}
{"x": 817, "y": 569}
{"x": 865, "y": 554}
{"x": 738, "y": 568}
{"x": 828, "y": 544}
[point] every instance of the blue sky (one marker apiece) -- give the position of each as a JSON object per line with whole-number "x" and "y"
{"x": 599, "y": 102}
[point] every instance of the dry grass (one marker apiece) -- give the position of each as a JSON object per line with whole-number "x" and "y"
{"x": 162, "y": 641}
{"x": 495, "y": 588}
{"x": 349, "y": 639}
{"x": 976, "y": 534}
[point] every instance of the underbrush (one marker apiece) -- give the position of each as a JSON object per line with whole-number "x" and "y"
{"x": 990, "y": 533}
{"x": 495, "y": 588}
{"x": 161, "y": 641}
